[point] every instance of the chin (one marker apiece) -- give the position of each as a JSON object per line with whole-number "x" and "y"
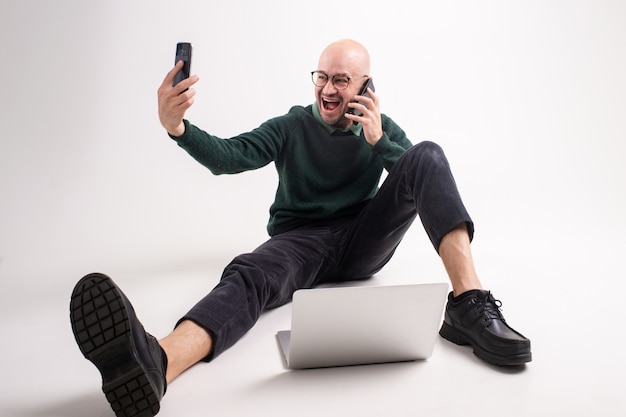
{"x": 339, "y": 122}
{"x": 331, "y": 122}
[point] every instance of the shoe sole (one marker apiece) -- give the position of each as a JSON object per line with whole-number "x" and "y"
{"x": 457, "y": 337}
{"x": 102, "y": 330}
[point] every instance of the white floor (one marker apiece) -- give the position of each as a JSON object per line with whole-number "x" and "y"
{"x": 566, "y": 301}
{"x": 526, "y": 98}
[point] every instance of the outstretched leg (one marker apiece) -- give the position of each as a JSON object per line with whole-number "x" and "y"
{"x": 187, "y": 345}
{"x": 252, "y": 283}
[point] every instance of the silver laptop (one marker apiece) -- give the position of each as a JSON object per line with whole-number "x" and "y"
{"x": 363, "y": 325}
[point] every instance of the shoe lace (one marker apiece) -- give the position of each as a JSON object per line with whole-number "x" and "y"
{"x": 489, "y": 308}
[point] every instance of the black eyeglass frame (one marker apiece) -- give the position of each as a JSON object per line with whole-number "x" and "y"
{"x": 332, "y": 79}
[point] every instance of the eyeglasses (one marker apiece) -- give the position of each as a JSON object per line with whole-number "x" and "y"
{"x": 340, "y": 81}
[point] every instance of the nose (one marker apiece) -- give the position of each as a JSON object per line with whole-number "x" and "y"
{"x": 329, "y": 88}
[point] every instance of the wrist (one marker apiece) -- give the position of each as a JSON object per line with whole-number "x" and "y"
{"x": 177, "y": 131}
{"x": 378, "y": 137}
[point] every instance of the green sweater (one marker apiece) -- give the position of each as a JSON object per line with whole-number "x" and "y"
{"x": 323, "y": 173}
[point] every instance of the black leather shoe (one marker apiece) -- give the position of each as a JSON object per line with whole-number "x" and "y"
{"x": 478, "y": 321}
{"x": 109, "y": 334}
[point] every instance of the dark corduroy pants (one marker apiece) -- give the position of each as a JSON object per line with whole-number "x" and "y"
{"x": 419, "y": 184}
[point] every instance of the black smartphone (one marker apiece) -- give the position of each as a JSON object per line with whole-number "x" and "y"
{"x": 183, "y": 53}
{"x": 363, "y": 92}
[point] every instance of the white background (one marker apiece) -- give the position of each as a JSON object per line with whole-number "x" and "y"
{"x": 526, "y": 97}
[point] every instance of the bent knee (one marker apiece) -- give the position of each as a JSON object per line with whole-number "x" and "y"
{"x": 426, "y": 152}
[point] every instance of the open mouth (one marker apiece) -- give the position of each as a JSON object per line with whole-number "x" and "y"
{"x": 330, "y": 105}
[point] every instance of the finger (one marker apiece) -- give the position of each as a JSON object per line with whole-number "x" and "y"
{"x": 184, "y": 97}
{"x": 172, "y": 73}
{"x": 185, "y": 84}
{"x": 369, "y": 98}
{"x": 373, "y": 96}
{"x": 363, "y": 102}
{"x": 169, "y": 78}
{"x": 364, "y": 106}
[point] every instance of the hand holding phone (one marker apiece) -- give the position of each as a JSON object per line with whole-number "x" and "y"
{"x": 183, "y": 53}
{"x": 171, "y": 108}
{"x": 362, "y": 92}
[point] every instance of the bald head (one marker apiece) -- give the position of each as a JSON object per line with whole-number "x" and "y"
{"x": 347, "y": 54}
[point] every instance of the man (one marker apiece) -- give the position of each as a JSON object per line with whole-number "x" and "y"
{"x": 329, "y": 222}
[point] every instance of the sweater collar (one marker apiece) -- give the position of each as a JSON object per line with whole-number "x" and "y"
{"x": 355, "y": 128}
